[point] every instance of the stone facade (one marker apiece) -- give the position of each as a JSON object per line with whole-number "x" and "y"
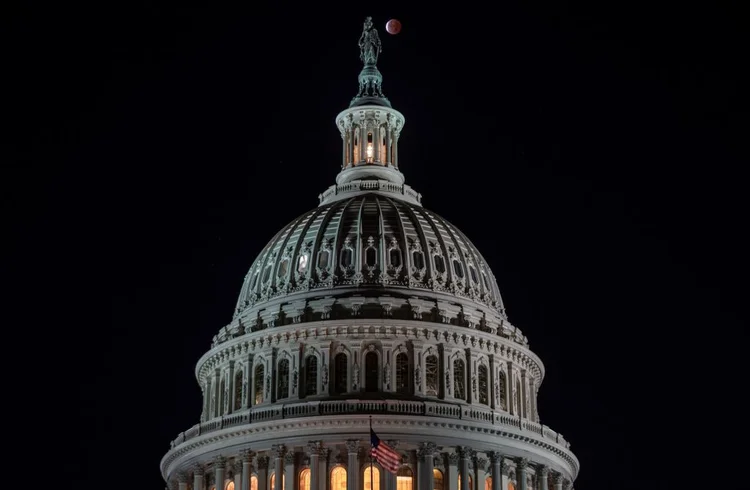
{"x": 367, "y": 310}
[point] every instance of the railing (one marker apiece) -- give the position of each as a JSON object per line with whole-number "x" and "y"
{"x": 394, "y": 407}
{"x": 370, "y": 185}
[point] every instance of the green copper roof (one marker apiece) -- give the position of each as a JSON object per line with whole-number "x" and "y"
{"x": 370, "y": 79}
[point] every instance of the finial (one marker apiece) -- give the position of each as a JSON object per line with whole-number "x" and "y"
{"x": 370, "y": 78}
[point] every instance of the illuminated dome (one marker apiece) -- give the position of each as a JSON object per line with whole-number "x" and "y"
{"x": 369, "y": 312}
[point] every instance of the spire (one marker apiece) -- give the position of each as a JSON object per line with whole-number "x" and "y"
{"x": 370, "y": 79}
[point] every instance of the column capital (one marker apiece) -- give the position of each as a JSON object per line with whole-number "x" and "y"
{"x": 352, "y": 445}
{"x": 198, "y": 470}
{"x": 262, "y": 462}
{"x": 289, "y": 458}
{"x": 247, "y": 455}
{"x": 393, "y": 443}
{"x": 278, "y": 450}
{"x": 237, "y": 466}
{"x": 542, "y": 470}
{"x": 566, "y": 484}
{"x": 452, "y": 458}
{"x": 495, "y": 456}
{"x": 315, "y": 448}
{"x": 481, "y": 464}
{"x": 220, "y": 462}
{"x": 557, "y": 478}
{"x": 182, "y": 477}
{"x": 504, "y": 467}
{"x": 465, "y": 452}
{"x": 426, "y": 449}
{"x": 522, "y": 463}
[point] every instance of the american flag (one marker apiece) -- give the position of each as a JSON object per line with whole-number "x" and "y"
{"x": 384, "y": 454}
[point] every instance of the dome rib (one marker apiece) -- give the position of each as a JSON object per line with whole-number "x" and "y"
{"x": 403, "y": 246}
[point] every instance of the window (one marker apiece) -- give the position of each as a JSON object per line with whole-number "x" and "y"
{"x": 304, "y": 479}
{"x": 229, "y": 485}
{"x": 484, "y": 383}
{"x": 238, "y": 390}
{"x": 267, "y": 274}
{"x": 486, "y": 282}
{"x": 222, "y": 396}
{"x": 253, "y": 482}
{"x": 437, "y": 479}
{"x": 457, "y": 269}
{"x": 439, "y": 264}
{"x": 372, "y": 480}
{"x": 404, "y": 479}
{"x": 258, "y": 384}
{"x": 283, "y": 268}
{"x": 338, "y": 478}
{"x": 339, "y": 380}
{"x": 371, "y": 257}
{"x": 431, "y": 375}
{"x": 473, "y": 274}
{"x": 402, "y": 373}
{"x": 282, "y": 379}
{"x": 501, "y": 387}
{"x": 254, "y": 281}
{"x": 311, "y": 375}
{"x": 346, "y": 257}
{"x": 518, "y": 398}
{"x": 488, "y": 483}
{"x": 459, "y": 375}
{"x": 418, "y": 258}
{"x": 394, "y": 255}
{"x": 471, "y": 482}
{"x": 371, "y": 372}
{"x": 323, "y": 259}
{"x": 302, "y": 263}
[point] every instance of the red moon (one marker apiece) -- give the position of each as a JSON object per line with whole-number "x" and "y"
{"x": 393, "y": 26}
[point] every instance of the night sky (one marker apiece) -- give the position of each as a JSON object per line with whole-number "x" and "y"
{"x": 593, "y": 153}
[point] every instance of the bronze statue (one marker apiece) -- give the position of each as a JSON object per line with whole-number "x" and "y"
{"x": 369, "y": 44}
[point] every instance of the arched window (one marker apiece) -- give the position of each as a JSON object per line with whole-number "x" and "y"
{"x": 229, "y": 485}
{"x": 501, "y": 386}
{"x": 484, "y": 385}
{"x": 283, "y": 268}
{"x": 282, "y": 379}
{"x": 371, "y": 372}
{"x": 486, "y": 282}
{"x": 272, "y": 481}
{"x": 323, "y": 259}
{"x": 254, "y": 281}
{"x": 459, "y": 379}
{"x": 258, "y": 384}
{"x": 338, "y": 478}
{"x": 311, "y": 375}
{"x": 267, "y": 274}
{"x": 253, "y": 482}
{"x": 357, "y": 151}
{"x": 304, "y": 479}
{"x": 471, "y": 482}
{"x": 417, "y": 257}
{"x": 371, "y": 257}
{"x": 473, "y": 274}
{"x": 374, "y": 482}
{"x": 457, "y": 269}
{"x": 394, "y": 256}
{"x": 511, "y": 486}
{"x": 402, "y": 373}
{"x": 439, "y": 263}
{"x": 302, "y": 264}
{"x": 339, "y": 373}
{"x": 488, "y": 483}
{"x": 222, "y": 396}
{"x": 238, "y": 390}
{"x": 404, "y": 479}
{"x": 518, "y": 398}
{"x": 346, "y": 257}
{"x": 431, "y": 375}
{"x": 437, "y": 479}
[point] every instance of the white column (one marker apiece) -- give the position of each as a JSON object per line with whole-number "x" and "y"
{"x": 230, "y": 387}
{"x": 215, "y": 397}
{"x": 388, "y": 158}
{"x": 289, "y": 470}
{"x": 395, "y": 149}
{"x": 524, "y": 391}
{"x": 557, "y": 480}
{"x": 480, "y": 465}
{"x": 314, "y": 449}
{"x": 451, "y": 475}
{"x": 237, "y": 470}
{"x": 278, "y": 467}
{"x": 182, "y": 480}
{"x": 352, "y": 470}
{"x": 464, "y": 454}
{"x": 247, "y": 465}
{"x": 198, "y": 477}
{"x": 426, "y": 459}
{"x": 542, "y": 472}
{"x": 497, "y": 475}
{"x": 220, "y": 464}
{"x": 521, "y": 465}
{"x": 390, "y": 478}
{"x": 262, "y": 472}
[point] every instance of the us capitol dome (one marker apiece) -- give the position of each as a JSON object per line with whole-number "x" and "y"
{"x": 369, "y": 311}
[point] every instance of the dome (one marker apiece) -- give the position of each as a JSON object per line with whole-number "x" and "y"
{"x": 370, "y": 250}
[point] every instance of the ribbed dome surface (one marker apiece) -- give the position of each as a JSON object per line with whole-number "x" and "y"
{"x": 375, "y": 244}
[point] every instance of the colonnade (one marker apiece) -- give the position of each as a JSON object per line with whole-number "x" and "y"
{"x": 424, "y": 467}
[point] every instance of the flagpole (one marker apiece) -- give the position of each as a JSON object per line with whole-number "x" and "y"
{"x": 372, "y": 487}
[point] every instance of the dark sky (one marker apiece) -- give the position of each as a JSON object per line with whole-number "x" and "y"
{"x": 594, "y": 153}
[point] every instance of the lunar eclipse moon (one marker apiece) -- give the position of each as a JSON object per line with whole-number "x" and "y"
{"x": 393, "y": 26}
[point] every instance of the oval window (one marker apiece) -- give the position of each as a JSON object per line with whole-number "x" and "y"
{"x": 302, "y": 263}
{"x": 267, "y": 273}
{"x": 418, "y": 258}
{"x": 473, "y": 274}
{"x": 346, "y": 257}
{"x": 323, "y": 259}
{"x": 283, "y": 268}
{"x": 371, "y": 257}
{"x": 439, "y": 264}
{"x": 457, "y": 269}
